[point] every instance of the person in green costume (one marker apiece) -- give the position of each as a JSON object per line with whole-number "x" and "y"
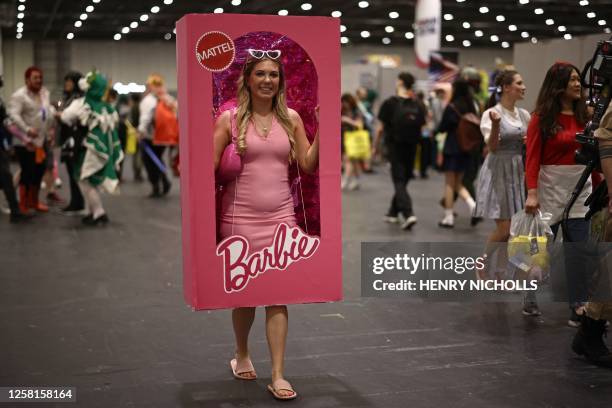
{"x": 100, "y": 152}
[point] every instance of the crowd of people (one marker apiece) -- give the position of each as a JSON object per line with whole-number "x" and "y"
{"x": 523, "y": 161}
{"x": 93, "y": 128}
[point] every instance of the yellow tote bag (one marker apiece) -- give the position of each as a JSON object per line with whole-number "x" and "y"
{"x": 357, "y": 144}
{"x": 131, "y": 139}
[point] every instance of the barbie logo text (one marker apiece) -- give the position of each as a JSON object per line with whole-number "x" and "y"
{"x": 289, "y": 245}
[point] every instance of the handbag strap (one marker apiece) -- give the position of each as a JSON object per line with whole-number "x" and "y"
{"x": 297, "y": 166}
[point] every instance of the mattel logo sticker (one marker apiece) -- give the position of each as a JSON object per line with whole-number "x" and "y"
{"x": 215, "y": 51}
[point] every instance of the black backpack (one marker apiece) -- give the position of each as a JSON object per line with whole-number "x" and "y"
{"x": 408, "y": 118}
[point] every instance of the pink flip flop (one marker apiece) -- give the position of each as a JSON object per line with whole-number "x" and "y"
{"x": 245, "y": 366}
{"x": 282, "y": 385}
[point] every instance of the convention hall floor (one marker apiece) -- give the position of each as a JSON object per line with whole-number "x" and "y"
{"x": 102, "y": 310}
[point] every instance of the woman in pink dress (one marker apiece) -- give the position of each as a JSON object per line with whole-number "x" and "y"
{"x": 270, "y": 137}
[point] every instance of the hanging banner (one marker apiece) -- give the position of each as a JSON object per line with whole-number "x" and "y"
{"x": 428, "y": 27}
{"x": 264, "y": 228}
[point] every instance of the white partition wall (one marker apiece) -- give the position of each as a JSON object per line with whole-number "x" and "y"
{"x": 533, "y": 60}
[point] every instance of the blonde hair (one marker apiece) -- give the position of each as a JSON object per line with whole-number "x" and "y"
{"x": 279, "y": 107}
{"x": 155, "y": 80}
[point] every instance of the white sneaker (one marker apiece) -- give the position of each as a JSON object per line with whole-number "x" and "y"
{"x": 353, "y": 185}
{"x": 390, "y": 219}
{"x": 447, "y": 223}
{"x": 410, "y": 221}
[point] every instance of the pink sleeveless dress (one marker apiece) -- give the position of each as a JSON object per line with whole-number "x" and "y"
{"x": 260, "y": 198}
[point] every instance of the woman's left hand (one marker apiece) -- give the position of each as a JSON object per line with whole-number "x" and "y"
{"x": 317, "y": 113}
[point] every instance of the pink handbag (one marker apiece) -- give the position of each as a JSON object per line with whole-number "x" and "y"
{"x": 230, "y": 165}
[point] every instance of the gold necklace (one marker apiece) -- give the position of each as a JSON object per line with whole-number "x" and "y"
{"x": 262, "y": 125}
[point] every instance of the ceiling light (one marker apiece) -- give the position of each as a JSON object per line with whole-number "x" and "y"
{"x": 218, "y": 10}
{"x": 342, "y": 28}
{"x": 409, "y": 35}
{"x": 534, "y": 40}
{"x": 78, "y": 23}
{"x": 168, "y": 2}
{"x": 567, "y": 36}
{"x": 524, "y": 34}
{"x": 155, "y": 9}
{"x": 448, "y": 17}
{"x": 602, "y": 22}
{"x": 306, "y": 6}
{"x": 20, "y": 29}
{"x": 386, "y": 41}
{"x": 505, "y": 44}
{"x": 125, "y": 30}
{"x": 83, "y": 16}
{"x": 21, "y": 7}
{"x": 500, "y": 18}
{"x": 494, "y": 38}
{"x": 18, "y": 36}
{"x": 523, "y": 1}
{"x": 584, "y": 2}
{"x": 450, "y": 38}
{"x": 144, "y": 17}
{"x": 336, "y": 13}
{"x": 512, "y": 27}
{"x": 466, "y": 24}
{"x": 550, "y": 21}
{"x": 363, "y": 4}
{"x": 95, "y": 1}
{"x": 484, "y": 9}
{"x": 607, "y": 30}
{"x": 393, "y": 14}
{"x": 167, "y": 36}
{"x": 20, "y": 16}
{"x": 89, "y": 8}
{"x": 466, "y": 43}
{"x": 562, "y": 28}
{"x": 538, "y": 11}
{"x": 20, "y": 24}
{"x": 460, "y": 1}
{"x": 365, "y": 34}
{"x": 174, "y": 30}
{"x": 70, "y": 36}
{"x": 478, "y": 33}
{"x": 389, "y": 29}
{"x": 344, "y": 40}
{"x": 117, "y": 37}
{"x": 282, "y": 12}
{"x": 133, "y": 25}
{"x": 236, "y": 2}
{"x": 591, "y": 15}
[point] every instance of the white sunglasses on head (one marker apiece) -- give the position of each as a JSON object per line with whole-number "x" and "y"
{"x": 259, "y": 54}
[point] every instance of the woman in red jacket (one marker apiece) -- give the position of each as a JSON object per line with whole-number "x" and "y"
{"x": 552, "y": 172}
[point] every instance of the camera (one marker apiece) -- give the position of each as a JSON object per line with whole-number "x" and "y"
{"x": 599, "y": 73}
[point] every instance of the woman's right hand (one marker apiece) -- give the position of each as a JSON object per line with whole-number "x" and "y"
{"x": 495, "y": 116}
{"x": 532, "y": 204}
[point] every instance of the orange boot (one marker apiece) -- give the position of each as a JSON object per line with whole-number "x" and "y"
{"x": 34, "y": 203}
{"x": 23, "y": 199}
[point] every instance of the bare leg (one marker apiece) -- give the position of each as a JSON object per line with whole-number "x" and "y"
{"x": 277, "y": 322}
{"x": 242, "y": 319}
{"x": 449, "y": 189}
{"x": 501, "y": 233}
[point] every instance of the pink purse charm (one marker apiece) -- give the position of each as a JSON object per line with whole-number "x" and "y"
{"x": 230, "y": 165}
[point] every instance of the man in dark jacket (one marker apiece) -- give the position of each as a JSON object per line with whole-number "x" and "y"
{"x": 402, "y": 118}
